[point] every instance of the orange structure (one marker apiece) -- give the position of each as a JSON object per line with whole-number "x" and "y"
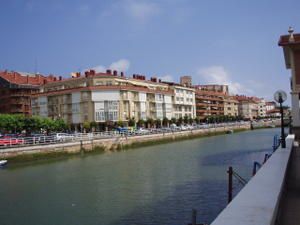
{"x": 16, "y": 89}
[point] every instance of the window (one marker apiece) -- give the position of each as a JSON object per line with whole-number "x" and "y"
{"x": 107, "y": 110}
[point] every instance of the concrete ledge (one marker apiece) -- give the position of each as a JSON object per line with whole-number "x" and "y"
{"x": 257, "y": 203}
{"x": 111, "y": 144}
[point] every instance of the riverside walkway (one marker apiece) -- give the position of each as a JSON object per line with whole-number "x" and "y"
{"x": 289, "y": 208}
{"x": 116, "y": 142}
{"x": 272, "y": 196}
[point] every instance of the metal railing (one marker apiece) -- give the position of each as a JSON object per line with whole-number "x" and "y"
{"x": 13, "y": 142}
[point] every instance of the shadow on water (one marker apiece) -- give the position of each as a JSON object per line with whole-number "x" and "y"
{"x": 206, "y": 196}
{"x": 235, "y": 157}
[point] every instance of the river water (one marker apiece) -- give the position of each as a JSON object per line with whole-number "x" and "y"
{"x": 159, "y": 184}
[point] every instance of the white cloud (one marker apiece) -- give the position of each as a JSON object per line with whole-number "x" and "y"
{"x": 140, "y": 10}
{"x": 218, "y": 75}
{"x": 121, "y": 65}
{"x": 167, "y": 77}
{"x": 99, "y": 69}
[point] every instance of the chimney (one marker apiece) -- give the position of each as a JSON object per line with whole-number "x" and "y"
{"x": 92, "y": 72}
{"x": 60, "y": 77}
{"x": 134, "y": 76}
{"x": 54, "y": 79}
{"x": 122, "y": 74}
{"x": 27, "y": 79}
{"x": 78, "y": 74}
{"x": 115, "y": 73}
{"x": 108, "y": 71}
{"x": 86, "y": 73}
{"x": 159, "y": 80}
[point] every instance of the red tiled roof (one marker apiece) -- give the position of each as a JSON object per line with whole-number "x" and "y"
{"x": 20, "y": 79}
{"x": 245, "y": 98}
{"x": 284, "y": 40}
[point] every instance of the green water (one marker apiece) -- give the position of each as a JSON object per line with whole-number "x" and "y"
{"x": 149, "y": 185}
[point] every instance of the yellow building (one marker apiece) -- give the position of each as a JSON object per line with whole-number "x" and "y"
{"x": 101, "y": 97}
{"x": 231, "y": 106}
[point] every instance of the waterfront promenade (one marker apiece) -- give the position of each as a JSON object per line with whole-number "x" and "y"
{"x": 290, "y": 202}
{"x": 118, "y": 142}
{"x": 259, "y": 202}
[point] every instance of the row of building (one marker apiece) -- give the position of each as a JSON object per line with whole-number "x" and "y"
{"x": 110, "y": 96}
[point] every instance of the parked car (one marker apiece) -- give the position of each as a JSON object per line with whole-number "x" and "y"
{"x": 182, "y": 127}
{"x": 63, "y": 137}
{"x": 142, "y": 131}
{"x": 11, "y": 141}
{"x": 173, "y": 126}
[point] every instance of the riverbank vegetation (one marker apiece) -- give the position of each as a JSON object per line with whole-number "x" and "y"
{"x": 10, "y": 123}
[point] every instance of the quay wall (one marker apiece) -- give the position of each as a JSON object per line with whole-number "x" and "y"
{"x": 110, "y": 144}
{"x": 257, "y": 203}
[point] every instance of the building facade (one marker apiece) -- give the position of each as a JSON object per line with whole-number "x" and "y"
{"x": 262, "y": 108}
{"x": 214, "y": 100}
{"x": 248, "y": 107}
{"x": 101, "y": 97}
{"x": 231, "y": 106}
{"x": 291, "y": 50}
{"x": 16, "y": 89}
{"x": 183, "y": 100}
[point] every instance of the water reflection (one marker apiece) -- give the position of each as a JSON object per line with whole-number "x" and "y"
{"x": 151, "y": 185}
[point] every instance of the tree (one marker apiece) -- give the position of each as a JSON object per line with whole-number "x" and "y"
{"x": 179, "y": 121}
{"x": 48, "y": 124}
{"x": 93, "y": 125}
{"x": 86, "y": 126}
{"x": 173, "y": 120}
{"x": 120, "y": 123}
{"x": 141, "y": 123}
{"x": 149, "y": 122}
{"x": 60, "y": 125}
{"x": 158, "y": 123}
{"x": 131, "y": 122}
{"x": 185, "y": 119}
{"x": 191, "y": 120}
{"x": 197, "y": 120}
{"x": 165, "y": 122}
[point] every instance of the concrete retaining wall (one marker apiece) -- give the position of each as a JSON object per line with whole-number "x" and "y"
{"x": 257, "y": 203}
{"x": 113, "y": 143}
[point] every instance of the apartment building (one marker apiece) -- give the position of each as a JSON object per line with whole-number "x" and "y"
{"x": 183, "y": 100}
{"x": 270, "y": 105}
{"x": 16, "y": 89}
{"x": 248, "y": 107}
{"x": 231, "y": 106}
{"x": 219, "y": 88}
{"x": 101, "y": 97}
{"x": 214, "y": 100}
{"x": 262, "y": 108}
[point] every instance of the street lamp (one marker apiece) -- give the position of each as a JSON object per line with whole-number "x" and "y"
{"x": 280, "y": 97}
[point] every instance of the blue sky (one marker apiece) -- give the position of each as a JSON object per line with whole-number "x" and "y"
{"x": 232, "y": 41}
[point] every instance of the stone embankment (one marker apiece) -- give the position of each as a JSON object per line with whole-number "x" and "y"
{"x": 110, "y": 144}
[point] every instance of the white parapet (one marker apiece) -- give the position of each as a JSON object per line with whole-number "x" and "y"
{"x": 257, "y": 202}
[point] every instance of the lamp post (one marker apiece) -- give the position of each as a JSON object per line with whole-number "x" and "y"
{"x": 280, "y": 97}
